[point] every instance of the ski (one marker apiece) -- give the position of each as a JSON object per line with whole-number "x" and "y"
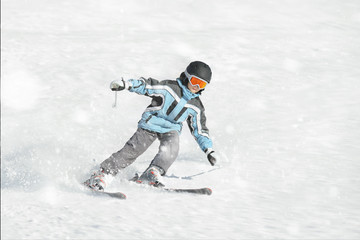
{"x": 160, "y": 186}
{"x": 118, "y": 195}
{"x": 201, "y": 191}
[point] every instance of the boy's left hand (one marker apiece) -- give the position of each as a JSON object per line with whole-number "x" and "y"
{"x": 212, "y": 157}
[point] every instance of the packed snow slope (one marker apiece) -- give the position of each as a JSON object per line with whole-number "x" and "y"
{"x": 282, "y": 109}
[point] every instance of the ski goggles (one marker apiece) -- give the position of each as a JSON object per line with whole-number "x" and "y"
{"x": 194, "y": 80}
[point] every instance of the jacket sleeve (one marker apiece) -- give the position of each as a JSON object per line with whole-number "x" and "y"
{"x": 140, "y": 86}
{"x": 197, "y": 124}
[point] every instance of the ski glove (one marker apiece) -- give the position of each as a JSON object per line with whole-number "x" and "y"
{"x": 211, "y": 156}
{"x": 118, "y": 85}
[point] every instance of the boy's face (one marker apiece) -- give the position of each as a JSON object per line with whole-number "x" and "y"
{"x": 193, "y": 89}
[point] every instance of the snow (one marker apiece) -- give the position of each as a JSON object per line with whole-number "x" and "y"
{"x": 282, "y": 108}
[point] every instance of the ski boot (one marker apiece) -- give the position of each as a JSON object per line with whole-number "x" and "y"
{"x": 151, "y": 176}
{"x": 96, "y": 181}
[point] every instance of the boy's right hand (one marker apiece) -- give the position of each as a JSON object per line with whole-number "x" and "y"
{"x": 117, "y": 85}
{"x": 211, "y": 156}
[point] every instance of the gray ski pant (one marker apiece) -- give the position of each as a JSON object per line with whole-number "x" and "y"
{"x": 137, "y": 145}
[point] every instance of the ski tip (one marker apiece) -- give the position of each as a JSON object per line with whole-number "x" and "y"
{"x": 119, "y": 195}
{"x": 208, "y": 191}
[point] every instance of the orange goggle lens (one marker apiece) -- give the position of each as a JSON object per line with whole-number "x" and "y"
{"x": 197, "y": 81}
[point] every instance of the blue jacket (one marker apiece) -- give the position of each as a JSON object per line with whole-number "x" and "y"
{"x": 172, "y": 103}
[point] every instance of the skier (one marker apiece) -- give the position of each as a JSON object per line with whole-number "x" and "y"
{"x": 172, "y": 103}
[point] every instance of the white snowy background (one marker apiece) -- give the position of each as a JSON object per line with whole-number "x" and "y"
{"x": 283, "y": 110}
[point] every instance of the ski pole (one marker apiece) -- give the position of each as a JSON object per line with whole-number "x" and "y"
{"x": 203, "y": 172}
{"x": 114, "y": 105}
{"x": 196, "y": 174}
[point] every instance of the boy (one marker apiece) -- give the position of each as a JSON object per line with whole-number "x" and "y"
{"x": 172, "y": 103}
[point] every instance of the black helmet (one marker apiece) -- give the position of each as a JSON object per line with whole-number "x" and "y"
{"x": 199, "y": 69}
